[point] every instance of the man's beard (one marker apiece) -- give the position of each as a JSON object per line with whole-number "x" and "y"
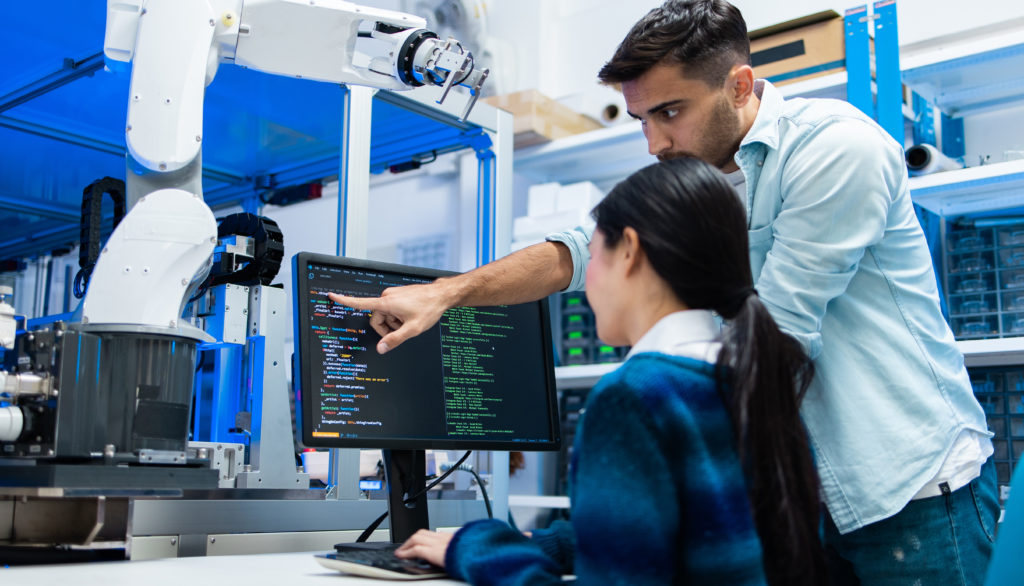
{"x": 722, "y": 128}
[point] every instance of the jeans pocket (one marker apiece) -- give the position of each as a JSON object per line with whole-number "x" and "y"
{"x": 984, "y": 515}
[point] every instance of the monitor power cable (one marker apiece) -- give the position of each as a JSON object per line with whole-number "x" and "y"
{"x": 373, "y": 526}
{"x": 479, "y": 482}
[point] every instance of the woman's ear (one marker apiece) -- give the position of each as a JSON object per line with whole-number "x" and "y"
{"x": 630, "y": 249}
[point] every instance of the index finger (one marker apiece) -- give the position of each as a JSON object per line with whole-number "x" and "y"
{"x": 364, "y": 303}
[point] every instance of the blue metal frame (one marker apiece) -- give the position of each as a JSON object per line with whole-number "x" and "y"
{"x": 38, "y": 322}
{"x": 953, "y": 137}
{"x": 887, "y": 70}
{"x": 972, "y": 185}
{"x": 486, "y": 195}
{"x": 218, "y": 397}
{"x": 253, "y": 398}
{"x": 924, "y": 120}
{"x": 70, "y": 71}
{"x": 858, "y": 60}
{"x": 44, "y": 209}
{"x": 343, "y": 169}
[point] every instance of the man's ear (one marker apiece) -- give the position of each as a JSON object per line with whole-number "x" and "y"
{"x": 741, "y": 82}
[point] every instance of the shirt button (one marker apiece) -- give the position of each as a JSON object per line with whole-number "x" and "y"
{"x": 760, "y": 163}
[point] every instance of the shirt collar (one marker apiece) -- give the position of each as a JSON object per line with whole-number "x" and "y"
{"x": 764, "y": 129}
{"x": 692, "y": 333}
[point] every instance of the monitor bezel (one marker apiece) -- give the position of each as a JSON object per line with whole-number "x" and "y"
{"x": 303, "y": 385}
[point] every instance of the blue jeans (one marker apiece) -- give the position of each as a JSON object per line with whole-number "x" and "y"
{"x": 944, "y": 540}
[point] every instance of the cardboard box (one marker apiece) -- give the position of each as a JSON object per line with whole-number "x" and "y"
{"x": 799, "y": 49}
{"x": 539, "y": 119}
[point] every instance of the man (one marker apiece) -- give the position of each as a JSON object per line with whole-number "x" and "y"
{"x": 841, "y": 263}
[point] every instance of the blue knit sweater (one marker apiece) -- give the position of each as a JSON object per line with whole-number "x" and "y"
{"x": 657, "y": 493}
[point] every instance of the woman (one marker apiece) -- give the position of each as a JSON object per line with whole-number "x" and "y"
{"x": 670, "y": 442}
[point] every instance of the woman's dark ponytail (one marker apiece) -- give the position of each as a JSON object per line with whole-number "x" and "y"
{"x": 767, "y": 374}
{"x": 693, "y": 229}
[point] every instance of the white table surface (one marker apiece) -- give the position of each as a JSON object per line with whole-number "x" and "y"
{"x": 280, "y": 569}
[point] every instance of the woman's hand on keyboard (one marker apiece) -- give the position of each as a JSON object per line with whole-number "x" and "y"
{"x": 426, "y": 545}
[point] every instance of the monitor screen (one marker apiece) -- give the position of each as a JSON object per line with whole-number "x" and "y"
{"x": 482, "y": 378}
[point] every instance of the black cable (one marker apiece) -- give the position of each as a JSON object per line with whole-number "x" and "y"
{"x": 82, "y": 281}
{"x": 472, "y": 66}
{"x": 373, "y": 526}
{"x": 483, "y": 492}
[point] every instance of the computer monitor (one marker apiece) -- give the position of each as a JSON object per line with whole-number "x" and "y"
{"x": 480, "y": 379}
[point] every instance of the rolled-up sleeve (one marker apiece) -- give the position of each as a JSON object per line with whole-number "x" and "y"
{"x": 837, "y": 189}
{"x": 576, "y": 240}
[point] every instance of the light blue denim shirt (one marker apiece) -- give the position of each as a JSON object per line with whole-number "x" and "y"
{"x": 841, "y": 262}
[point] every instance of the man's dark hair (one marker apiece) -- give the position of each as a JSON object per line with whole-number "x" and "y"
{"x": 706, "y": 37}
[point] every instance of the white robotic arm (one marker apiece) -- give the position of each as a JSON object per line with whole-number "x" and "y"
{"x": 161, "y": 250}
{"x": 176, "y": 46}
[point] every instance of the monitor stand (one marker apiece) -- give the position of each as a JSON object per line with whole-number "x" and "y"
{"x": 405, "y": 475}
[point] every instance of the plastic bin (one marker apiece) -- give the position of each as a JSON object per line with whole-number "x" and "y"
{"x": 1011, "y": 235}
{"x": 987, "y": 382}
{"x": 972, "y": 262}
{"x": 1015, "y": 381}
{"x": 576, "y": 356}
{"x": 603, "y": 353}
{"x": 978, "y": 303}
{"x": 575, "y": 302}
{"x": 576, "y": 338}
{"x": 1016, "y": 426}
{"x": 1001, "y": 450}
{"x": 1003, "y": 472}
{"x": 1015, "y": 403}
{"x": 977, "y": 282}
{"x": 976, "y": 326}
{"x": 963, "y": 240}
{"x": 1009, "y": 279}
{"x": 1013, "y": 301}
{"x": 578, "y": 322}
{"x": 1010, "y": 258}
{"x": 992, "y": 403}
{"x": 997, "y": 425}
{"x": 1018, "y": 450}
{"x": 1013, "y": 323}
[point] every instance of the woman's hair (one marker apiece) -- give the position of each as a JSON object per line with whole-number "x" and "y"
{"x": 705, "y": 37}
{"x": 693, "y": 229}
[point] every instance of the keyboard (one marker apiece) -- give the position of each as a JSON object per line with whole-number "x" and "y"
{"x": 377, "y": 560}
